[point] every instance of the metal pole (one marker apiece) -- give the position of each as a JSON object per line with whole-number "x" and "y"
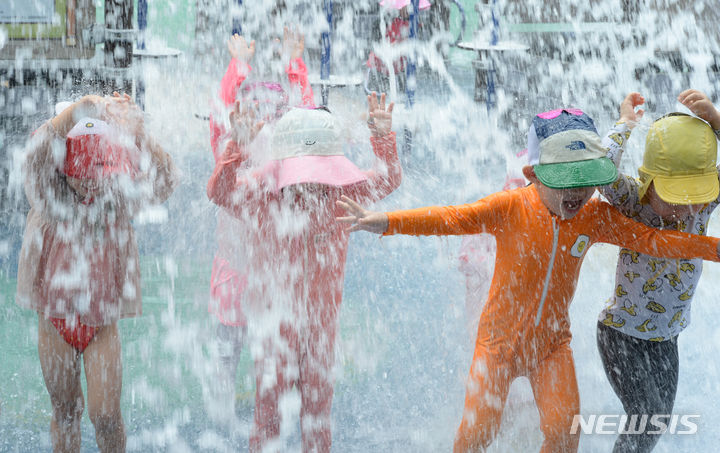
{"x": 411, "y": 66}
{"x": 118, "y": 45}
{"x": 494, "y": 36}
{"x": 142, "y": 23}
{"x": 410, "y": 80}
{"x": 325, "y": 56}
{"x": 491, "y": 101}
{"x": 236, "y": 24}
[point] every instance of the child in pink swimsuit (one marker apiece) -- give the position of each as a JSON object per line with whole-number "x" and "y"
{"x": 87, "y": 172}
{"x": 232, "y": 262}
{"x": 299, "y": 252}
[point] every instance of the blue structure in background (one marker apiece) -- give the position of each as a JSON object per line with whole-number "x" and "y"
{"x": 491, "y": 99}
{"x": 142, "y": 23}
{"x": 325, "y": 52}
{"x": 236, "y": 24}
{"x": 410, "y": 76}
{"x": 411, "y": 65}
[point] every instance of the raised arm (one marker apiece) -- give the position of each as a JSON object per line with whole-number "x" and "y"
{"x": 45, "y": 188}
{"x": 386, "y": 174}
{"x": 226, "y": 187}
{"x": 702, "y": 106}
{"x": 163, "y": 173}
{"x": 615, "y": 228}
{"x": 293, "y": 48}
{"x": 615, "y": 140}
{"x": 623, "y": 192}
{"x": 241, "y": 53}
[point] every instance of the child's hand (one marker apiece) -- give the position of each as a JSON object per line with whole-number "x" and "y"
{"x": 362, "y": 219}
{"x": 124, "y": 113}
{"x": 245, "y": 126}
{"x": 379, "y": 119}
{"x": 628, "y": 115}
{"x": 700, "y": 104}
{"x": 293, "y": 43}
{"x": 239, "y": 48}
{"x": 91, "y": 106}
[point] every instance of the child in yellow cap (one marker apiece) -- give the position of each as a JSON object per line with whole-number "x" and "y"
{"x": 677, "y": 190}
{"x": 542, "y": 232}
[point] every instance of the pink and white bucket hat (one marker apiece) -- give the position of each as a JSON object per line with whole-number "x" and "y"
{"x": 307, "y": 149}
{"x": 400, "y": 4}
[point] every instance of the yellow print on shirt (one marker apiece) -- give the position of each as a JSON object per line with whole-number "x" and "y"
{"x": 631, "y": 275}
{"x": 654, "y": 263}
{"x": 654, "y": 306}
{"x": 674, "y": 280}
{"x": 687, "y": 267}
{"x": 581, "y": 244}
{"x": 677, "y": 317}
{"x": 630, "y": 254}
{"x": 687, "y": 295}
{"x": 651, "y": 285}
{"x": 617, "y": 138}
{"x": 656, "y": 339}
{"x": 644, "y": 327}
{"x": 610, "y": 321}
{"x": 631, "y": 310}
{"x": 619, "y": 291}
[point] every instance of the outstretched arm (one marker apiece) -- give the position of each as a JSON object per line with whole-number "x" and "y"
{"x": 361, "y": 219}
{"x": 615, "y": 228}
{"x": 482, "y": 216}
{"x": 386, "y": 173}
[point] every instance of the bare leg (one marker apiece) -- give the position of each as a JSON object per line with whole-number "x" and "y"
{"x": 103, "y": 370}
{"x": 60, "y": 365}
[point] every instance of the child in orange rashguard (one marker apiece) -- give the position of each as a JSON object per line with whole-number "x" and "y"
{"x": 543, "y": 232}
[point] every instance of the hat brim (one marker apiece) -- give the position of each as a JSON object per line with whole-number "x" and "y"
{"x": 335, "y": 171}
{"x": 583, "y": 173}
{"x": 695, "y": 189}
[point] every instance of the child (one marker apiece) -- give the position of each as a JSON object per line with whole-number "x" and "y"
{"x": 264, "y": 93}
{"x": 300, "y": 254}
{"x": 678, "y": 190}
{"x": 229, "y": 277}
{"x": 397, "y": 31}
{"x": 542, "y": 233}
{"x": 87, "y": 172}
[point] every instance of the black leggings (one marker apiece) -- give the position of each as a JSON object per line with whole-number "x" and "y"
{"x": 644, "y": 375}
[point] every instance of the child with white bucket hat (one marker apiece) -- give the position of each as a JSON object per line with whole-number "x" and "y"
{"x": 301, "y": 253}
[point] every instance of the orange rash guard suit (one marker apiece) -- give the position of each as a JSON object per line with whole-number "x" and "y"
{"x": 524, "y": 329}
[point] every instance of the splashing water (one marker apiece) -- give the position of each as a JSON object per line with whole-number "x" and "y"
{"x": 402, "y": 352}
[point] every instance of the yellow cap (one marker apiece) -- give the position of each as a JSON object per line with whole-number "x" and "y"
{"x": 680, "y": 157}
